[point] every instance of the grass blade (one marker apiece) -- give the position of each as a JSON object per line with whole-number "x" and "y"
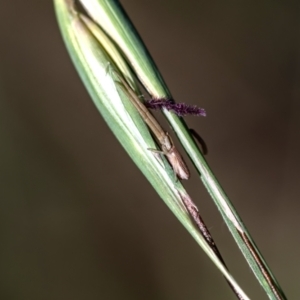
{"x": 91, "y": 61}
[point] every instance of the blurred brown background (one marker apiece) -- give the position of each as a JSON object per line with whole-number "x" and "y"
{"x": 79, "y": 221}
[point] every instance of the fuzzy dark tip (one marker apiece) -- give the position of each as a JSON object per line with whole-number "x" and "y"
{"x": 180, "y": 109}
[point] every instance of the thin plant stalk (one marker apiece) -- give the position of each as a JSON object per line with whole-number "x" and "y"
{"x": 111, "y": 17}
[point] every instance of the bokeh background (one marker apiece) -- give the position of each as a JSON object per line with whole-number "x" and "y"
{"x": 77, "y": 218}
